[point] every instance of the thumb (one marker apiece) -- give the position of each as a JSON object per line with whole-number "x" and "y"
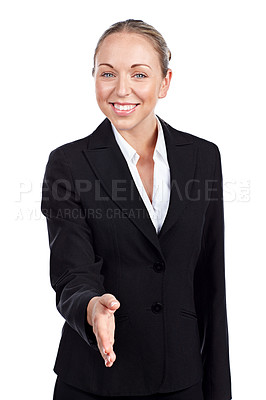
{"x": 110, "y": 301}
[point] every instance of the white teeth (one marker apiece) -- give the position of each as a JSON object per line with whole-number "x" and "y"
{"x": 124, "y": 108}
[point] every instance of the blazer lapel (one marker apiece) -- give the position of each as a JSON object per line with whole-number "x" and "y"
{"x": 182, "y": 157}
{"x": 110, "y": 167}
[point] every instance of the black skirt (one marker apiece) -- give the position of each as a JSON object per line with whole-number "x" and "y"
{"x": 64, "y": 391}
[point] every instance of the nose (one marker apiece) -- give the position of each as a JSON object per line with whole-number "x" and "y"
{"x": 123, "y": 86}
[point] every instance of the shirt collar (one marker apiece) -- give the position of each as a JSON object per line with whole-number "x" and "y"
{"x": 130, "y": 153}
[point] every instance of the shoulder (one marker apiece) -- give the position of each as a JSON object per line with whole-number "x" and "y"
{"x": 73, "y": 150}
{"x": 70, "y": 148}
{"x": 205, "y": 151}
{"x": 204, "y": 147}
{"x": 191, "y": 138}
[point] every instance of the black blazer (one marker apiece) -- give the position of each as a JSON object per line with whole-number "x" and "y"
{"x": 171, "y": 327}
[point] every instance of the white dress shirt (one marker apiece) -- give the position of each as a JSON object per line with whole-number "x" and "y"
{"x": 161, "y": 178}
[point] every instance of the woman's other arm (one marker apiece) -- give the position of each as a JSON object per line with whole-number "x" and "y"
{"x": 210, "y": 295}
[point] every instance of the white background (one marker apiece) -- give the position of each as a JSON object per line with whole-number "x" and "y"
{"x": 47, "y": 99}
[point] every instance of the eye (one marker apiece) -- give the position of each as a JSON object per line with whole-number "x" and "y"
{"x": 107, "y": 75}
{"x": 141, "y": 76}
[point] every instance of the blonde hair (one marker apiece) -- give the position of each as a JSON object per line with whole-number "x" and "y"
{"x": 141, "y": 28}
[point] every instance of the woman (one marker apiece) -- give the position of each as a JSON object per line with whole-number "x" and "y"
{"x": 135, "y": 222}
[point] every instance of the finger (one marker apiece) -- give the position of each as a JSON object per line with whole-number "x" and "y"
{"x": 109, "y": 301}
{"x": 107, "y": 346}
{"x": 108, "y": 353}
{"x": 104, "y": 335}
{"x": 105, "y": 353}
{"x": 112, "y": 357}
{"x": 109, "y": 358}
{"x": 104, "y": 328}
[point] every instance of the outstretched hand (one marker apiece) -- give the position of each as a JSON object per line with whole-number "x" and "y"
{"x": 100, "y": 315}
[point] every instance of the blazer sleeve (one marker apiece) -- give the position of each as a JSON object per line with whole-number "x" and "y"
{"x": 210, "y": 295}
{"x": 75, "y": 270}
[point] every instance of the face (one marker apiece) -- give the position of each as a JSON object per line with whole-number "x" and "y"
{"x": 129, "y": 82}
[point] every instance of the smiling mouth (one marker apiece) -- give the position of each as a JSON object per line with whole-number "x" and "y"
{"x": 125, "y": 107}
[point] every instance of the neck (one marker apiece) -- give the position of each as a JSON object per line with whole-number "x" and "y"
{"x": 142, "y": 139}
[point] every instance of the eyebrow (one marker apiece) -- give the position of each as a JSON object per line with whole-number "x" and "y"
{"x": 132, "y": 66}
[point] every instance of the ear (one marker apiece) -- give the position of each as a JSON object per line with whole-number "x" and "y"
{"x": 165, "y": 84}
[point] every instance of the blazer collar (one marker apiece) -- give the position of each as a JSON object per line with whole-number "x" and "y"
{"x": 109, "y": 165}
{"x": 102, "y": 137}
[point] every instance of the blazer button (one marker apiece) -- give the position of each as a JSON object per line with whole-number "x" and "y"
{"x": 159, "y": 266}
{"x": 156, "y": 307}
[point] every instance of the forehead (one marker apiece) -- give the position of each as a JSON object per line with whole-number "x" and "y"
{"x": 130, "y": 47}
